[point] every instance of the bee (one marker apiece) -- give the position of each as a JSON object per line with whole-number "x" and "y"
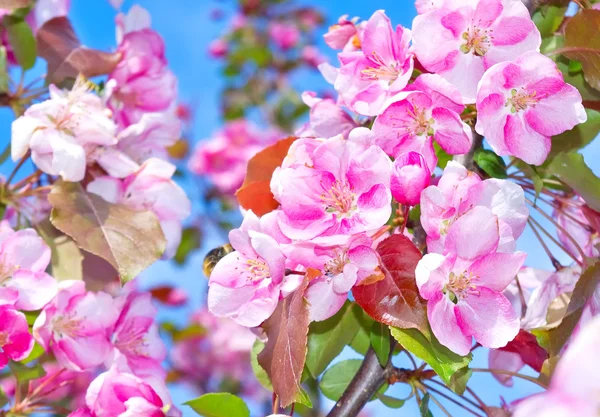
{"x": 214, "y": 256}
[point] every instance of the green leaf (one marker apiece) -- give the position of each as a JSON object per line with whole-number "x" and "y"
{"x": 380, "y": 340}
{"x": 219, "y": 405}
{"x": 338, "y": 377}
{"x": 443, "y": 361}
{"x": 31, "y": 316}
{"x": 24, "y": 373}
{"x": 362, "y": 340}
{"x": 442, "y": 156}
{"x": 571, "y": 168}
{"x": 303, "y": 398}
{"x": 190, "y": 240}
{"x": 531, "y": 172}
{"x": 490, "y": 163}
{"x": 582, "y": 43}
{"x": 259, "y": 372}
{"x": 21, "y": 40}
{"x": 458, "y": 381}
{"x": 424, "y": 407}
{"x": 578, "y": 137}
{"x": 129, "y": 240}
{"x": 66, "y": 259}
{"x": 548, "y": 19}
{"x": 36, "y": 352}
{"x": 327, "y": 339}
{"x": 3, "y": 81}
{"x": 391, "y": 402}
{"x": 5, "y": 154}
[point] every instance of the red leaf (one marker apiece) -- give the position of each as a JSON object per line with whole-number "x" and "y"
{"x": 395, "y": 299}
{"x": 526, "y": 345}
{"x": 169, "y": 296}
{"x": 285, "y": 351}
{"x": 255, "y": 193}
{"x": 59, "y": 46}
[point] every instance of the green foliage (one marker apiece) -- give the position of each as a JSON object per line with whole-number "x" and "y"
{"x": 578, "y": 137}
{"x": 424, "y": 407}
{"x": 490, "y": 163}
{"x": 191, "y": 238}
{"x": 338, "y": 377}
{"x": 380, "y": 341}
{"x": 129, "y": 240}
{"x": 571, "y": 168}
{"x": 426, "y": 347}
{"x": 548, "y": 19}
{"x": 391, "y": 402}
{"x": 259, "y": 372}
{"x": 24, "y": 374}
{"x": 21, "y": 40}
{"x": 442, "y": 156}
{"x": 458, "y": 381}
{"x": 327, "y": 339}
{"x": 36, "y": 352}
{"x": 362, "y": 339}
{"x": 219, "y": 405}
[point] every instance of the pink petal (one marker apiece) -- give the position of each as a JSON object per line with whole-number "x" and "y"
{"x": 558, "y": 113}
{"x": 496, "y": 270}
{"x": 474, "y": 234}
{"x": 524, "y": 142}
{"x": 444, "y": 324}
{"x": 451, "y": 133}
{"x": 507, "y": 361}
{"x": 324, "y": 301}
{"x": 489, "y": 317}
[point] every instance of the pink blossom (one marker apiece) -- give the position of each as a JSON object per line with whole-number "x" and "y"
{"x": 430, "y": 111}
{"x": 116, "y": 394}
{"x": 137, "y": 18}
{"x": 460, "y": 190}
{"x": 343, "y": 35}
{"x": 327, "y": 118}
{"x": 461, "y": 40}
{"x": 150, "y": 188}
{"x": 61, "y": 132}
{"x": 573, "y": 221}
{"x": 141, "y": 82}
{"x": 410, "y": 176}
{"x": 24, "y": 257}
{"x": 284, "y": 35}
{"x": 49, "y": 9}
{"x": 138, "y": 348}
{"x": 343, "y": 264}
{"x": 464, "y": 288}
{"x": 368, "y": 79}
{"x": 218, "y": 48}
{"x": 75, "y": 326}
{"x": 15, "y": 340}
{"x": 149, "y": 137}
{"x": 220, "y": 354}
{"x": 344, "y": 190}
{"x": 247, "y": 283}
{"x": 224, "y": 157}
{"x": 574, "y": 384}
{"x": 312, "y": 57}
{"x": 521, "y": 104}
{"x": 424, "y": 6}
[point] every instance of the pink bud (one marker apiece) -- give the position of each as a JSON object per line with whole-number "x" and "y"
{"x": 410, "y": 176}
{"x": 218, "y": 48}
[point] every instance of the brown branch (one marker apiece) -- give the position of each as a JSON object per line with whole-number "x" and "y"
{"x": 467, "y": 159}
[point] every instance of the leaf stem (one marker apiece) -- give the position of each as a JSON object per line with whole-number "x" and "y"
{"x": 514, "y": 374}
{"x": 557, "y": 265}
{"x": 17, "y": 167}
{"x": 461, "y": 396}
{"x": 447, "y": 397}
{"x": 556, "y": 242}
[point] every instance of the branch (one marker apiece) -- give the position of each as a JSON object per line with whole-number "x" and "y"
{"x": 467, "y": 159}
{"x": 367, "y": 381}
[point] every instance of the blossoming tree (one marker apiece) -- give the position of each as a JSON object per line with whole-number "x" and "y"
{"x": 385, "y": 217}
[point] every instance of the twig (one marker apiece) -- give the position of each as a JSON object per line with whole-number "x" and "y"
{"x": 19, "y": 165}
{"x": 557, "y": 265}
{"x": 452, "y": 400}
{"x": 515, "y": 374}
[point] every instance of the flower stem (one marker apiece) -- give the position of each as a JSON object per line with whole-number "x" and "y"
{"x": 515, "y": 374}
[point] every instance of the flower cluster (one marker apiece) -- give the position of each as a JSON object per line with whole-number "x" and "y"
{"x": 117, "y": 142}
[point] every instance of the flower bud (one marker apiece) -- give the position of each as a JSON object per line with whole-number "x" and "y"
{"x": 410, "y": 176}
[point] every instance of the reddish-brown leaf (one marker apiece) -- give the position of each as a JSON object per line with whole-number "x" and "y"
{"x": 169, "y": 296}
{"x": 582, "y": 43}
{"x": 255, "y": 193}
{"x": 395, "y": 300}
{"x": 14, "y": 4}
{"x": 526, "y": 345}
{"x": 284, "y": 353}
{"x": 66, "y": 57}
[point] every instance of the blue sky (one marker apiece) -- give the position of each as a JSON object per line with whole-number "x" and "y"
{"x": 187, "y": 30}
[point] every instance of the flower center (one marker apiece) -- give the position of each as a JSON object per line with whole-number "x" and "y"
{"x": 3, "y": 340}
{"x": 336, "y": 265}
{"x": 422, "y": 124}
{"x": 6, "y": 272}
{"x": 380, "y": 70}
{"x": 339, "y": 199}
{"x": 62, "y": 326}
{"x": 478, "y": 41}
{"x": 521, "y": 100}
{"x": 258, "y": 270}
{"x": 460, "y": 286}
